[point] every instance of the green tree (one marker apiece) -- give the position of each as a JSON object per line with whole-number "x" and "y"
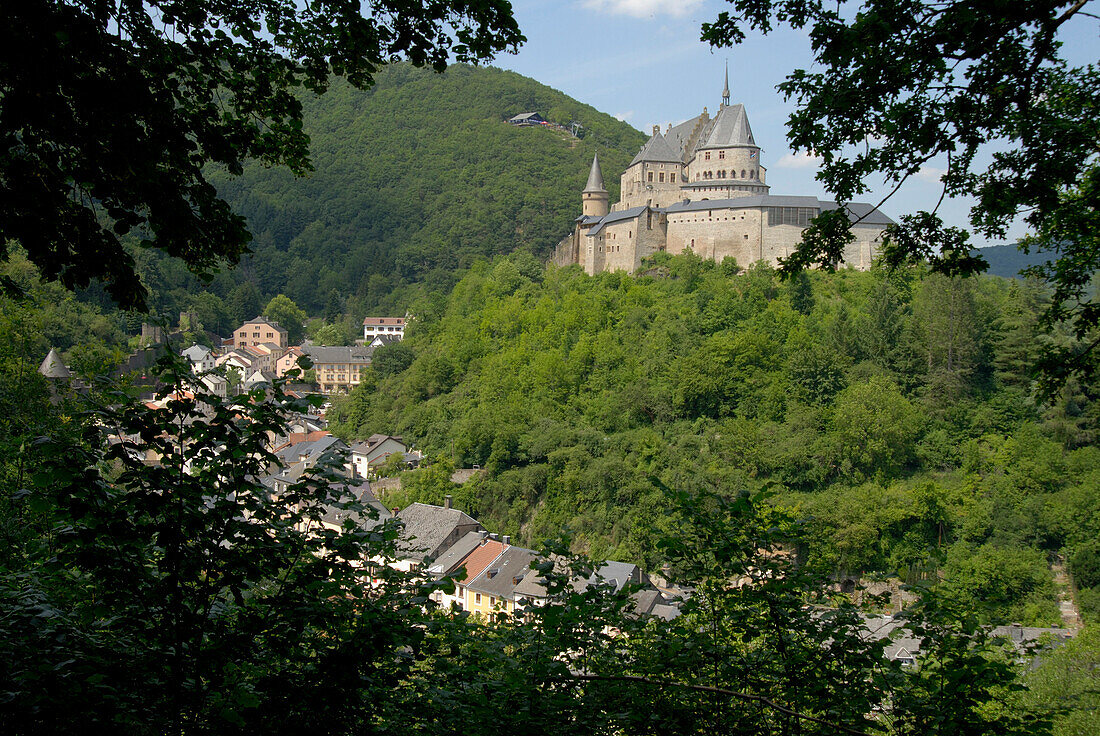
{"x": 185, "y": 595}
{"x": 289, "y": 316}
{"x": 330, "y": 335}
{"x": 112, "y": 111}
{"x": 875, "y": 428}
{"x": 1064, "y": 685}
{"x": 212, "y": 313}
{"x": 896, "y": 88}
{"x": 389, "y": 360}
{"x": 243, "y": 303}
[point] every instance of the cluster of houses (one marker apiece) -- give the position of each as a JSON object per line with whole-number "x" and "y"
{"x": 258, "y": 353}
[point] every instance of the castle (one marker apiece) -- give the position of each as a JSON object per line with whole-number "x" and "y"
{"x": 701, "y": 186}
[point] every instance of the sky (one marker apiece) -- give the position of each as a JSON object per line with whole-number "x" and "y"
{"x": 642, "y": 61}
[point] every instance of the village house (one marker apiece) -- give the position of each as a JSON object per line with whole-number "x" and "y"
{"x": 494, "y": 589}
{"x": 259, "y": 330}
{"x": 367, "y": 455}
{"x": 338, "y": 368}
{"x": 376, "y": 326}
{"x": 202, "y": 358}
{"x": 429, "y": 531}
{"x": 471, "y": 554}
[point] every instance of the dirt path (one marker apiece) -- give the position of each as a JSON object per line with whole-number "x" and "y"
{"x": 1067, "y": 605}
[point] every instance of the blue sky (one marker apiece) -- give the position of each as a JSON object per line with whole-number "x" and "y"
{"x": 642, "y": 61}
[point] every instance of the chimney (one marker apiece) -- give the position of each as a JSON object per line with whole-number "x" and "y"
{"x": 447, "y": 501}
{"x": 493, "y": 536}
{"x": 506, "y": 539}
{"x": 656, "y": 129}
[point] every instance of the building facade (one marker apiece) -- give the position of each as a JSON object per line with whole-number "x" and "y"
{"x": 258, "y": 331}
{"x": 381, "y": 326}
{"x": 701, "y": 186}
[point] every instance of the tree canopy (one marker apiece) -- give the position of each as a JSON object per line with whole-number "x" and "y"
{"x": 110, "y": 112}
{"x": 897, "y": 85}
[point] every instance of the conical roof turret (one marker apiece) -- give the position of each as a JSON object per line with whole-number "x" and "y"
{"x": 595, "y": 176}
{"x": 53, "y": 367}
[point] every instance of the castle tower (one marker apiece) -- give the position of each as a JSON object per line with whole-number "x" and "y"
{"x": 594, "y": 198}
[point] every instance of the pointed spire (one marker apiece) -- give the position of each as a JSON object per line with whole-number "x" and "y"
{"x": 726, "y": 89}
{"x": 595, "y": 176}
{"x": 53, "y": 367}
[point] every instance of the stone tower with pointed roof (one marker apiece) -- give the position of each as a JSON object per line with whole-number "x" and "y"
{"x": 701, "y": 186}
{"x": 594, "y": 198}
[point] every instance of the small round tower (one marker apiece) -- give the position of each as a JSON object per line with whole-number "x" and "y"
{"x": 594, "y": 199}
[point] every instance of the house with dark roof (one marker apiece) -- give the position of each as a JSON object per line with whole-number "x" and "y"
{"x": 260, "y": 330}
{"x": 701, "y": 186}
{"x": 464, "y": 561}
{"x": 494, "y": 588}
{"x": 338, "y": 367}
{"x": 428, "y": 531}
{"x": 527, "y": 118}
{"x": 367, "y": 455}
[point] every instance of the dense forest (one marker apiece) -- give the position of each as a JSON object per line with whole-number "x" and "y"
{"x": 413, "y": 179}
{"x": 894, "y": 412}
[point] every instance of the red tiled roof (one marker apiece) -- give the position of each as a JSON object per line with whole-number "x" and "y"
{"x": 480, "y": 559}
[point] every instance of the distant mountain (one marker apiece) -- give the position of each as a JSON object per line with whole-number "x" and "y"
{"x": 417, "y": 177}
{"x": 1008, "y": 260}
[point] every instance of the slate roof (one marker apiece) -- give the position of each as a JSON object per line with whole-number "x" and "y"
{"x": 902, "y": 643}
{"x": 856, "y": 210}
{"x": 336, "y": 516}
{"x": 871, "y": 215}
{"x": 311, "y": 449}
{"x": 612, "y": 217}
{"x": 595, "y": 176}
{"x": 728, "y": 129}
{"x": 474, "y": 560}
{"x": 657, "y": 149}
{"x": 53, "y": 366}
{"x": 502, "y": 576}
{"x": 339, "y": 353}
{"x": 457, "y": 552}
{"x": 677, "y": 136}
{"x": 196, "y": 353}
{"x": 427, "y": 528}
{"x": 525, "y": 117}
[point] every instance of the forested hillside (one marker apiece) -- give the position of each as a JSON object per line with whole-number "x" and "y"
{"x": 413, "y": 179}
{"x": 895, "y": 413}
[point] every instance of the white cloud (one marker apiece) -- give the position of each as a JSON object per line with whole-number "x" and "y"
{"x": 626, "y": 117}
{"x": 930, "y": 174}
{"x": 644, "y": 8}
{"x": 799, "y": 161}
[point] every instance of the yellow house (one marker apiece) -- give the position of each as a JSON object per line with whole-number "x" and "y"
{"x": 494, "y": 589}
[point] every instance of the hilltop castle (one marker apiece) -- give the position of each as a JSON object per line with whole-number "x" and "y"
{"x": 701, "y": 187}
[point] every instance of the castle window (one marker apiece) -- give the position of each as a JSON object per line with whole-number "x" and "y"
{"x": 742, "y": 173}
{"x": 721, "y": 155}
{"x": 706, "y": 156}
{"x": 651, "y": 176}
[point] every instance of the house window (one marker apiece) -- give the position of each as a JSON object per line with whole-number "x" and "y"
{"x": 721, "y": 155}
{"x": 477, "y": 597}
{"x": 706, "y": 156}
{"x": 492, "y": 600}
{"x": 650, "y": 176}
{"x": 661, "y": 177}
